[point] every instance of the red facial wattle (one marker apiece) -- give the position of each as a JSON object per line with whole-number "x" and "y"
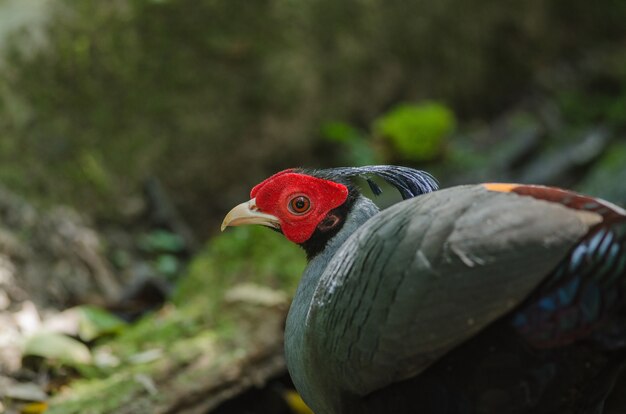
{"x": 273, "y": 196}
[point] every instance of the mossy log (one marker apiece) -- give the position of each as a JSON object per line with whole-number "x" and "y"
{"x": 193, "y": 374}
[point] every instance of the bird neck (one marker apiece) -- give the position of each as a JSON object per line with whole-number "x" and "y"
{"x": 295, "y": 329}
{"x": 362, "y": 210}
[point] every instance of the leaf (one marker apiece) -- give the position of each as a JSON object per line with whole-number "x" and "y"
{"x": 257, "y": 295}
{"x": 161, "y": 241}
{"x": 340, "y": 132}
{"x": 96, "y": 322}
{"x": 57, "y": 347}
{"x": 167, "y": 264}
{"x": 417, "y": 131}
{"x": 25, "y": 391}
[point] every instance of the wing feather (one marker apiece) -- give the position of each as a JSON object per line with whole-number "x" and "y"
{"x": 427, "y": 274}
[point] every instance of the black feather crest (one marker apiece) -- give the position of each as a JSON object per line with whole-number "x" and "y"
{"x": 408, "y": 181}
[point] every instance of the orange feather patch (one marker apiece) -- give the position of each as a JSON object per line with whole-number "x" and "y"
{"x": 500, "y": 187}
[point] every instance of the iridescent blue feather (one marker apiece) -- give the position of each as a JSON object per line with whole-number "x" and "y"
{"x": 581, "y": 293}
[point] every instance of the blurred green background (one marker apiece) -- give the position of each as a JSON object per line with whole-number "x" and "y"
{"x": 212, "y": 96}
{"x": 152, "y": 118}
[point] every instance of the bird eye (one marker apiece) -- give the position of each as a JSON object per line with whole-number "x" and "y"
{"x": 299, "y": 205}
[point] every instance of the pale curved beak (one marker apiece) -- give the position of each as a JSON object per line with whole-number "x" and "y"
{"x": 248, "y": 213}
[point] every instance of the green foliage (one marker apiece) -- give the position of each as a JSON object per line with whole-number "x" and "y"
{"x": 340, "y": 132}
{"x": 110, "y": 392}
{"x": 168, "y": 265}
{"x": 58, "y": 348}
{"x": 242, "y": 254}
{"x": 191, "y": 91}
{"x": 161, "y": 241}
{"x": 588, "y": 107}
{"x": 196, "y": 324}
{"x": 125, "y": 90}
{"x": 163, "y": 246}
{"x": 198, "y": 320}
{"x": 600, "y": 96}
{"x": 417, "y": 132}
{"x": 356, "y": 147}
{"x": 160, "y": 330}
{"x": 95, "y": 322}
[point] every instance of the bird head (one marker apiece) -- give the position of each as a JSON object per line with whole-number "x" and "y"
{"x": 302, "y": 203}
{"x": 293, "y": 202}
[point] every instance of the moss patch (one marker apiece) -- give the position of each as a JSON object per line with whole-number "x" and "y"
{"x": 198, "y": 329}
